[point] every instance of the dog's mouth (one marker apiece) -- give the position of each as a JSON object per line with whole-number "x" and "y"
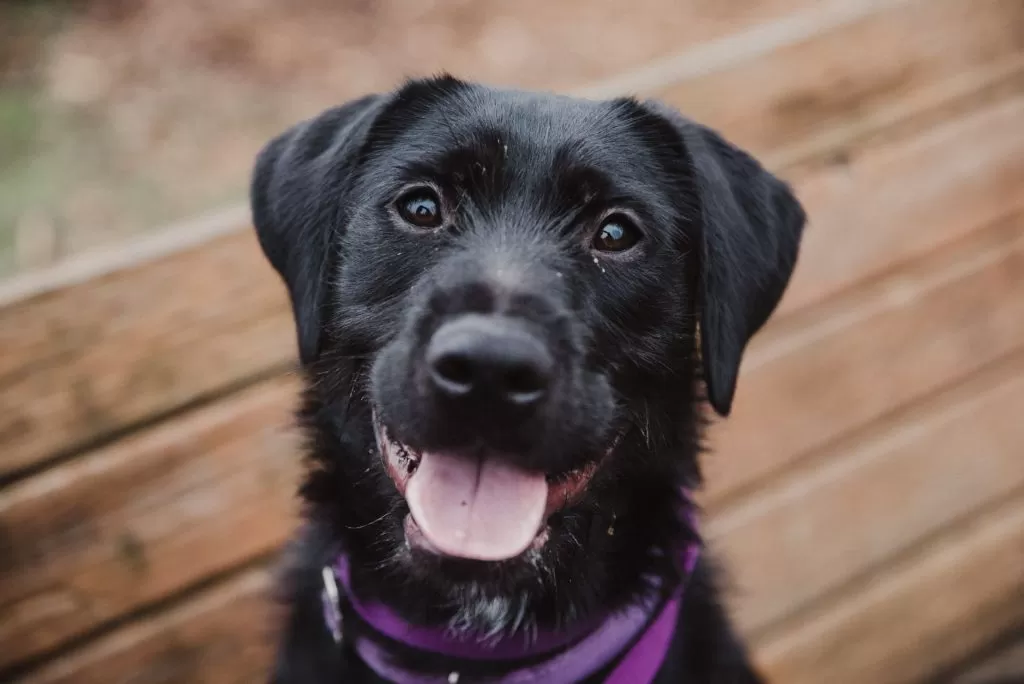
{"x": 477, "y": 505}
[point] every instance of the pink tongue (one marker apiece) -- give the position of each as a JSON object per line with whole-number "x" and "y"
{"x": 482, "y": 509}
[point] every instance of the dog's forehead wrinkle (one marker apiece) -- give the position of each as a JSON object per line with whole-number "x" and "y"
{"x": 516, "y": 228}
{"x": 517, "y": 120}
{"x": 525, "y": 127}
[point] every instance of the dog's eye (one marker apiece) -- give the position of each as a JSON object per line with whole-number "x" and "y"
{"x": 420, "y": 207}
{"x": 616, "y": 234}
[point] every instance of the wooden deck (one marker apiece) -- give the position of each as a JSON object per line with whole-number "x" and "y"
{"x": 868, "y": 493}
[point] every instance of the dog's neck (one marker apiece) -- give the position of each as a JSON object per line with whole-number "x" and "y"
{"x": 628, "y": 645}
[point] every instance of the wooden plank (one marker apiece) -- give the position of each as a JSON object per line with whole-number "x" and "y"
{"x": 891, "y": 203}
{"x": 744, "y": 39}
{"x": 82, "y": 362}
{"x": 836, "y": 78}
{"x": 858, "y": 507}
{"x": 823, "y": 374}
{"x": 939, "y": 604}
{"x": 952, "y": 99}
{"x": 223, "y": 636}
{"x": 95, "y": 538}
{"x": 535, "y": 43}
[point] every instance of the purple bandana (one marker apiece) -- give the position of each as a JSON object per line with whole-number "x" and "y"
{"x": 643, "y": 631}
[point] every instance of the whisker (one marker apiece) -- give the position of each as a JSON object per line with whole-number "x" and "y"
{"x": 384, "y": 515}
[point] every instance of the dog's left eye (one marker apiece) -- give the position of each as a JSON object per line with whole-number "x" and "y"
{"x": 616, "y": 234}
{"x": 420, "y": 207}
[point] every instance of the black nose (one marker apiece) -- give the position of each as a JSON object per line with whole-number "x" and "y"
{"x": 494, "y": 358}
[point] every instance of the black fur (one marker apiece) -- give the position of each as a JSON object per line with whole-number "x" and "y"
{"x": 525, "y": 179}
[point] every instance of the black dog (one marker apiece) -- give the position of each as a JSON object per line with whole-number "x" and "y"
{"x": 497, "y": 295}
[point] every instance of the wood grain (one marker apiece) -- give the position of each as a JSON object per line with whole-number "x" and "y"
{"x": 860, "y": 505}
{"x": 904, "y": 51}
{"x": 932, "y": 608}
{"x": 825, "y": 373}
{"x": 98, "y": 537}
{"x": 83, "y": 362}
{"x": 885, "y": 205}
{"x": 225, "y": 635}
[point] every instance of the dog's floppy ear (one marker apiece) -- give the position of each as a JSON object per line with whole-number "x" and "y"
{"x": 750, "y": 225}
{"x": 299, "y": 194}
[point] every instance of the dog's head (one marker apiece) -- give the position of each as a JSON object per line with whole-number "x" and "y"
{"x": 497, "y": 296}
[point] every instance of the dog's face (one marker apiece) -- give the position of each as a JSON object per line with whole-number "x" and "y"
{"x": 497, "y": 295}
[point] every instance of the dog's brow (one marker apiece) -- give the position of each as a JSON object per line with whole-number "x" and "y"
{"x": 583, "y": 183}
{"x": 473, "y": 162}
{"x": 451, "y": 129}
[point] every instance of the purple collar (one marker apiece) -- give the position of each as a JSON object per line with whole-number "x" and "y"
{"x": 642, "y": 632}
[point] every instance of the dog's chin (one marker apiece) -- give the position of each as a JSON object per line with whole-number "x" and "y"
{"x": 473, "y": 508}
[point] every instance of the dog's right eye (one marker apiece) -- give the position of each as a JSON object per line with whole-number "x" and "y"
{"x": 617, "y": 233}
{"x": 420, "y": 207}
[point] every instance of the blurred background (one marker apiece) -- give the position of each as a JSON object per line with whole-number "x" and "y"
{"x": 867, "y": 495}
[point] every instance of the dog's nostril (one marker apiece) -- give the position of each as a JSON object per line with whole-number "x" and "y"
{"x": 491, "y": 358}
{"x": 525, "y": 385}
{"x": 453, "y": 374}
